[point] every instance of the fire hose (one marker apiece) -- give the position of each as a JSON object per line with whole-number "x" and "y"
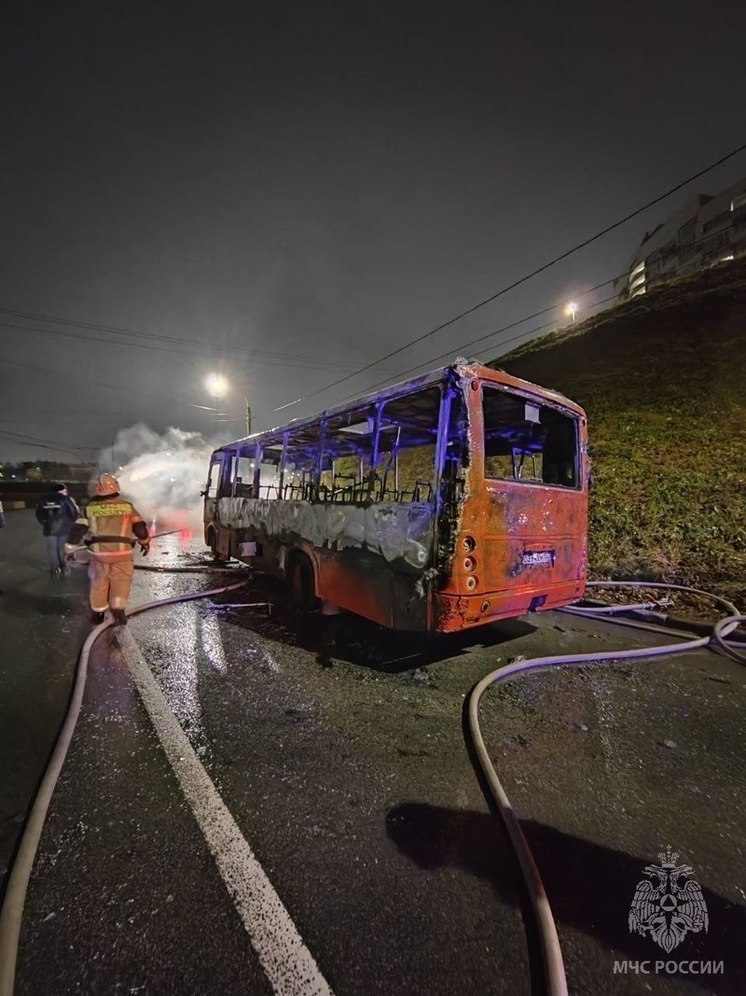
{"x": 204, "y": 567}
{"x": 15, "y": 896}
{"x": 73, "y": 560}
{"x": 555, "y": 980}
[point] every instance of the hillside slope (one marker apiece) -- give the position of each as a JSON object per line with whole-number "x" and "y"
{"x": 663, "y": 379}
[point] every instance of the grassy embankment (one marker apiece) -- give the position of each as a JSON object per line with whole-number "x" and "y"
{"x": 663, "y": 379}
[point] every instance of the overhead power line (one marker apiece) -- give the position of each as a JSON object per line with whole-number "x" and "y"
{"x": 462, "y": 348}
{"x": 171, "y": 344}
{"x": 122, "y": 330}
{"x": 503, "y": 342}
{"x": 522, "y": 280}
{"x": 449, "y": 353}
{"x": 277, "y": 359}
{"x": 47, "y": 444}
{"x": 91, "y": 383}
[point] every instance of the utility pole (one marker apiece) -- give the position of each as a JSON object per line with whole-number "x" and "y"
{"x": 248, "y": 417}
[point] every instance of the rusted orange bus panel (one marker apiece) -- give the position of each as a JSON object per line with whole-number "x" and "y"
{"x": 497, "y": 531}
{"x": 520, "y": 545}
{"x": 387, "y": 597}
{"x": 339, "y": 583}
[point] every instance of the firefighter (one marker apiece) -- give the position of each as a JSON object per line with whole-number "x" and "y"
{"x": 110, "y": 526}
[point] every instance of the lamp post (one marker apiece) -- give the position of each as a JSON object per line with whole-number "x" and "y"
{"x": 218, "y": 386}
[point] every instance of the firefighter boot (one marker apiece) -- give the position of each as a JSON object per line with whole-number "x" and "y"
{"x": 97, "y": 617}
{"x": 120, "y": 618}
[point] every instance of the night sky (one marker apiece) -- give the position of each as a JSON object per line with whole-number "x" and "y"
{"x": 286, "y": 191}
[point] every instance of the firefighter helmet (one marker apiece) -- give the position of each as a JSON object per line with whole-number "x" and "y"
{"x": 107, "y": 484}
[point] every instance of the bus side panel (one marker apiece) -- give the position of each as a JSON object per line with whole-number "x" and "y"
{"x": 411, "y": 608}
{"x": 355, "y": 580}
{"x": 366, "y": 584}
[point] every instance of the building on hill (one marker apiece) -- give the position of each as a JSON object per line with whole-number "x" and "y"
{"x": 708, "y": 230}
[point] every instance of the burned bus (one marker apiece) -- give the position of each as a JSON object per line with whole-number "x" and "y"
{"x": 448, "y": 501}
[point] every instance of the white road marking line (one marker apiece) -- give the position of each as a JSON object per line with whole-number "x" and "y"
{"x": 287, "y": 962}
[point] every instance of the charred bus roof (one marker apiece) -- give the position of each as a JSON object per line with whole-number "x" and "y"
{"x": 462, "y": 368}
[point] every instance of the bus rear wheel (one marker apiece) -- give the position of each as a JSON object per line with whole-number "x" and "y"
{"x": 301, "y": 584}
{"x": 213, "y": 544}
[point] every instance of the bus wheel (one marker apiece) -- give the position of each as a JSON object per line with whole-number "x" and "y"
{"x": 300, "y": 581}
{"x": 213, "y": 544}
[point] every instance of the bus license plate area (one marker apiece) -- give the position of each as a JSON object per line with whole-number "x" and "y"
{"x": 538, "y": 558}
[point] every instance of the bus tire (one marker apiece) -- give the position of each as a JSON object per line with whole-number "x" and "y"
{"x": 300, "y": 579}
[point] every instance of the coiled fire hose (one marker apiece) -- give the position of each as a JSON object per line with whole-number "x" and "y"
{"x": 555, "y": 981}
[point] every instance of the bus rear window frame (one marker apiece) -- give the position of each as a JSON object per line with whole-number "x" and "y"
{"x": 541, "y": 402}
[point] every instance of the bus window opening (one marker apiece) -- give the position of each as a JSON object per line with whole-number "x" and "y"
{"x": 528, "y": 442}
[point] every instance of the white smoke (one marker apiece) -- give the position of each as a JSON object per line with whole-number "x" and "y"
{"x": 161, "y": 474}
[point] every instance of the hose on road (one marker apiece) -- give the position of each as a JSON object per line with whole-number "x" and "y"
{"x": 728, "y": 607}
{"x": 554, "y": 975}
{"x": 15, "y": 896}
{"x": 555, "y": 980}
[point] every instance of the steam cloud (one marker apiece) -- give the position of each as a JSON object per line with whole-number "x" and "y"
{"x": 161, "y": 475}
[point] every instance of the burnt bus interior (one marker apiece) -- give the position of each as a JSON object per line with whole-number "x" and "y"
{"x": 378, "y": 452}
{"x": 524, "y": 441}
{"x": 386, "y": 451}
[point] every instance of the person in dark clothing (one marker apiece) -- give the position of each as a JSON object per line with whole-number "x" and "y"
{"x": 57, "y": 513}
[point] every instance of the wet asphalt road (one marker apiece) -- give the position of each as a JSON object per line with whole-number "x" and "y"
{"x": 42, "y": 624}
{"x": 338, "y": 750}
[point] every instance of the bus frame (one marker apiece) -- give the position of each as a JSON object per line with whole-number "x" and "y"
{"x": 469, "y": 546}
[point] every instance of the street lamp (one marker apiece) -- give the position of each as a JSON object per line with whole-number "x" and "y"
{"x": 218, "y": 387}
{"x": 571, "y": 310}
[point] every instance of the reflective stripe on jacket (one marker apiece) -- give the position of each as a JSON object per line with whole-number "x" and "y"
{"x": 109, "y": 517}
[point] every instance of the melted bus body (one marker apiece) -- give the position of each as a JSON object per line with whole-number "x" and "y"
{"x": 449, "y": 501}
